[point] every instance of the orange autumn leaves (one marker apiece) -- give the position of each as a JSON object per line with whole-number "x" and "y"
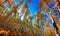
{"x": 9, "y": 2}
{"x": 44, "y": 2}
{"x": 1, "y": 2}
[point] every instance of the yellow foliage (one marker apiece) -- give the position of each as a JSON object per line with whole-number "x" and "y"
{"x": 50, "y": 32}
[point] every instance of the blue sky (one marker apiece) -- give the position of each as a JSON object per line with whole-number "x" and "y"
{"x": 33, "y": 6}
